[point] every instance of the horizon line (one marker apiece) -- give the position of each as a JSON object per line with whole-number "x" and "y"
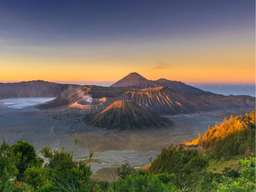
{"x": 108, "y": 83}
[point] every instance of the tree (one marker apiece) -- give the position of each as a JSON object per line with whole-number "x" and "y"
{"x": 8, "y": 170}
{"x": 65, "y": 174}
{"x": 25, "y": 156}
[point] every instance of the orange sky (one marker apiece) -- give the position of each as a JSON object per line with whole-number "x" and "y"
{"x": 218, "y": 59}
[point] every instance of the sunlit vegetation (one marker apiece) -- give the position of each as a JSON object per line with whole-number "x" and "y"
{"x": 176, "y": 169}
{"x": 234, "y": 136}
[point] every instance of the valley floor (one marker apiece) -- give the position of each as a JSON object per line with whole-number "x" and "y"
{"x": 66, "y": 129}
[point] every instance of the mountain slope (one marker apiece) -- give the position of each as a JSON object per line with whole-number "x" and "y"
{"x": 179, "y": 86}
{"x": 80, "y": 94}
{"x": 166, "y": 100}
{"x": 157, "y": 99}
{"x": 123, "y": 114}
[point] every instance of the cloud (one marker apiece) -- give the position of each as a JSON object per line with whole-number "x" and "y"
{"x": 161, "y": 66}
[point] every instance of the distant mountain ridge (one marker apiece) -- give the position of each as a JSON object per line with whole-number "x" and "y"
{"x": 140, "y": 99}
{"x": 179, "y": 86}
{"x": 135, "y": 80}
{"x": 36, "y": 88}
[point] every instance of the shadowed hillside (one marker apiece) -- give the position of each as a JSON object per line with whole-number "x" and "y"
{"x": 167, "y": 100}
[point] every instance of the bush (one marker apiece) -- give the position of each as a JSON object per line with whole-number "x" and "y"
{"x": 142, "y": 183}
{"x": 7, "y": 163}
{"x": 25, "y": 156}
{"x": 187, "y": 165}
{"x": 65, "y": 174}
{"x": 36, "y": 177}
{"x": 21, "y": 170}
{"x": 244, "y": 183}
{"x": 125, "y": 170}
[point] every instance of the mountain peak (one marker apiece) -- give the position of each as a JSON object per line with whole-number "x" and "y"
{"x": 135, "y": 75}
{"x": 134, "y": 80}
{"x": 162, "y": 79}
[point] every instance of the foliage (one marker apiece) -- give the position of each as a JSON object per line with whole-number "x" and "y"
{"x": 22, "y": 170}
{"x": 244, "y": 182}
{"x": 25, "y": 157}
{"x": 7, "y": 163}
{"x": 220, "y": 166}
{"x": 64, "y": 174}
{"x": 125, "y": 170}
{"x": 36, "y": 177}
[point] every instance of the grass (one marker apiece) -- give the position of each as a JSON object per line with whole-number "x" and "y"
{"x": 218, "y": 166}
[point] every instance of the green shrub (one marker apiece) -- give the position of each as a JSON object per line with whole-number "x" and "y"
{"x": 142, "y": 183}
{"x": 25, "y": 157}
{"x": 185, "y": 164}
{"x": 36, "y": 177}
{"x": 243, "y": 183}
{"x": 125, "y": 170}
{"x": 66, "y": 174}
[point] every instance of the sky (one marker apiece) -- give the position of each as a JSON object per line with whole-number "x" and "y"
{"x": 197, "y": 41}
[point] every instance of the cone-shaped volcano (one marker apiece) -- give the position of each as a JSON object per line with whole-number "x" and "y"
{"x": 123, "y": 114}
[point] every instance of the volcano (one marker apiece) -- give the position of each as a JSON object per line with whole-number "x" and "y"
{"x": 123, "y": 114}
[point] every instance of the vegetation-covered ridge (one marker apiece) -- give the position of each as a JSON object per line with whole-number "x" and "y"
{"x": 233, "y": 136}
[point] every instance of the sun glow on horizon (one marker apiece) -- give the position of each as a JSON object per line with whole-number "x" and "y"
{"x": 214, "y": 58}
{"x": 210, "y": 66}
